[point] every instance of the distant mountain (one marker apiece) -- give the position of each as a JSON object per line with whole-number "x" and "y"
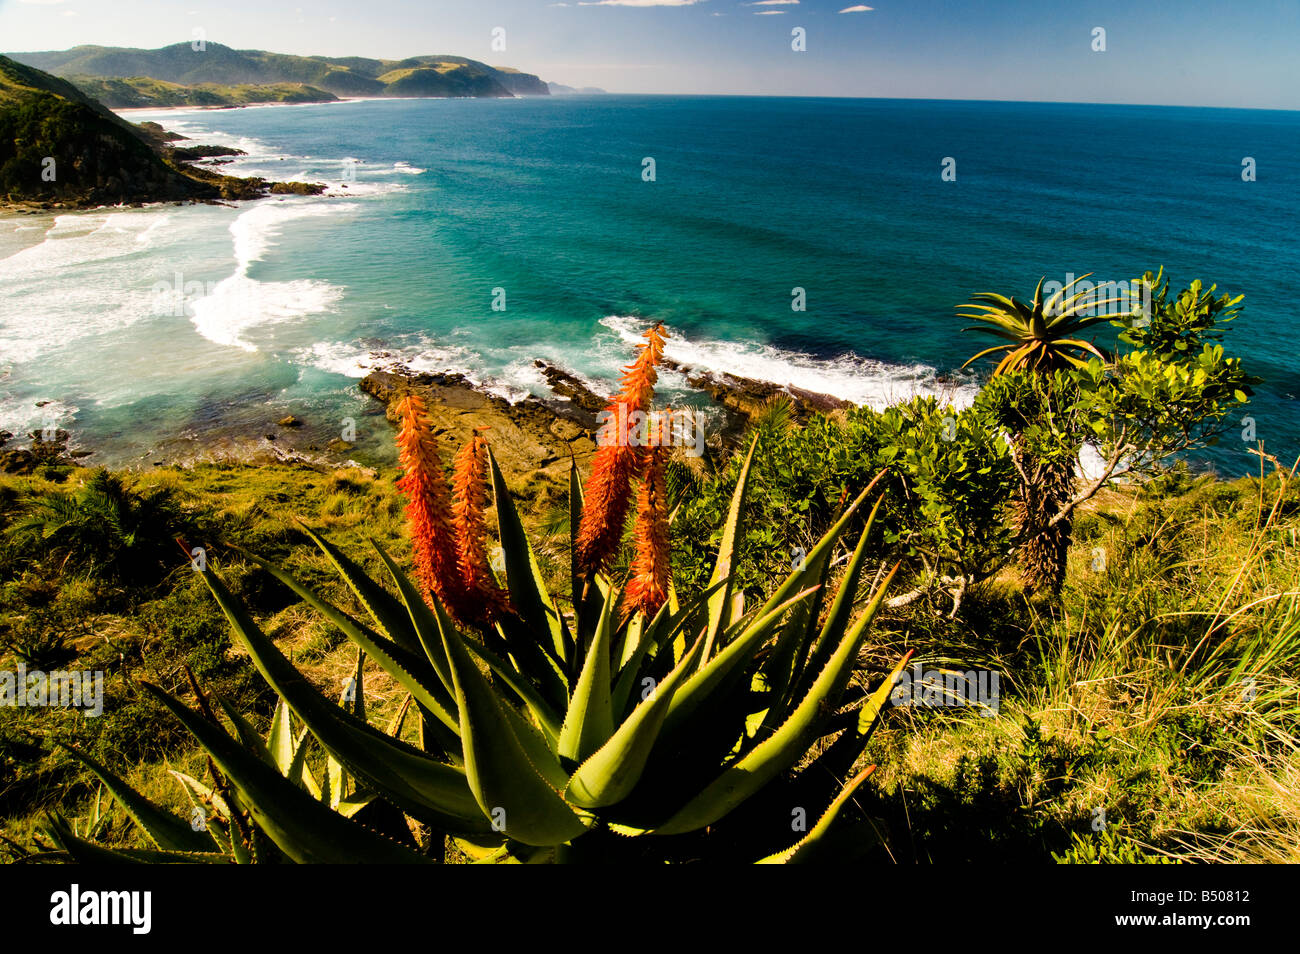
{"x": 139, "y": 91}
{"x": 342, "y": 76}
{"x": 58, "y": 147}
{"x": 559, "y": 89}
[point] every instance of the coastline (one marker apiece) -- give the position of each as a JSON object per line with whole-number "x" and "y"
{"x": 534, "y": 437}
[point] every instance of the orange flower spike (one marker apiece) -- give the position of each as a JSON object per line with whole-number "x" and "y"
{"x": 428, "y": 502}
{"x": 608, "y": 491}
{"x": 648, "y": 588}
{"x": 639, "y": 379}
{"x": 484, "y": 598}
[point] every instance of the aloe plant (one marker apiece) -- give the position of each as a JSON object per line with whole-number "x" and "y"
{"x": 602, "y": 732}
{"x": 1042, "y": 333}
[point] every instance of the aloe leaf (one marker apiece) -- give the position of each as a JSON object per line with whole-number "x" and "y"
{"x": 589, "y": 721}
{"x": 423, "y": 787}
{"x": 301, "y": 827}
{"x": 200, "y": 794}
{"x": 705, "y": 682}
{"x": 407, "y": 667}
{"x": 784, "y": 664}
{"x": 528, "y": 593}
{"x": 546, "y": 717}
{"x": 668, "y": 623}
{"x": 575, "y": 573}
{"x": 279, "y": 740}
{"x": 841, "y": 611}
{"x": 298, "y": 772}
{"x": 806, "y": 849}
{"x": 423, "y": 622}
{"x": 88, "y": 853}
{"x": 720, "y": 603}
{"x": 613, "y": 771}
{"x": 388, "y": 613}
{"x": 507, "y": 786}
{"x": 244, "y": 730}
{"x": 164, "y": 829}
{"x": 779, "y": 751}
{"x": 869, "y": 714}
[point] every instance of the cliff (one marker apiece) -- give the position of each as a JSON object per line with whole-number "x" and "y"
{"x": 60, "y": 148}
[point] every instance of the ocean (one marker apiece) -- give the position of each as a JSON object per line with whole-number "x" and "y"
{"x": 480, "y": 235}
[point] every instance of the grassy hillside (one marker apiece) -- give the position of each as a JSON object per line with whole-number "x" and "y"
{"x": 1123, "y": 697}
{"x": 141, "y": 91}
{"x": 341, "y": 76}
{"x": 57, "y": 144}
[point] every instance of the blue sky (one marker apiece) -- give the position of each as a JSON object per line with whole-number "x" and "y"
{"x": 1180, "y": 52}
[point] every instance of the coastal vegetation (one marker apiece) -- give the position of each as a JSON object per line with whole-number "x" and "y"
{"x": 134, "y": 92}
{"x": 212, "y": 69}
{"x": 681, "y": 658}
{"x": 61, "y": 148}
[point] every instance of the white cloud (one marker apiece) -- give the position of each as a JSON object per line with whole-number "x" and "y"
{"x": 772, "y": 3}
{"x": 858, "y": 9}
{"x": 769, "y": 13}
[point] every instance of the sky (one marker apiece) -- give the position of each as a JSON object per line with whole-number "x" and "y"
{"x": 1243, "y": 53}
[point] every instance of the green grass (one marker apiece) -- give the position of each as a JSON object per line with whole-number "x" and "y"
{"x": 1162, "y": 689}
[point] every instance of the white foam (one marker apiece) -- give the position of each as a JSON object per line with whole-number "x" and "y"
{"x": 81, "y": 280}
{"x": 407, "y": 169}
{"x": 21, "y": 416}
{"x": 238, "y": 303}
{"x": 423, "y": 355}
{"x": 850, "y": 377}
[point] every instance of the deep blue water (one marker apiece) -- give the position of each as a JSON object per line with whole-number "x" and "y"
{"x": 544, "y": 198}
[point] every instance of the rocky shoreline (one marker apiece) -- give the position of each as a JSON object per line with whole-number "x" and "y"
{"x": 534, "y": 439}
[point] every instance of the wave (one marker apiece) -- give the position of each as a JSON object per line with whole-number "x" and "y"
{"x": 422, "y": 355}
{"x": 81, "y": 280}
{"x": 850, "y": 377}
{"x": 238, "y": 304}
{"x": 20, "y": 416}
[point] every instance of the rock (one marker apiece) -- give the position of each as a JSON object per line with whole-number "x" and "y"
{"x": 43, "y": 453}
{"x": 297, "y": 188}
{"x": 533, "y": 440}
{"x": 746, "y": 396}
{"x": 290, "y": 421}
{"x": 565, "y": 385}
{"x": 338, "y": 445}
{"x": 191, "y": 153}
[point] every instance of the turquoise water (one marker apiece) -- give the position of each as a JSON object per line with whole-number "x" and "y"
{"x": 150, "y": 330}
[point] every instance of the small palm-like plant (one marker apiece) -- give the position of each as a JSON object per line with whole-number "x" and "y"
{"x": 1041, "y": 335}
{"x": 636, "y": 725}
{"x": 1041, "y": 339}
{"x": 105, "y": 527}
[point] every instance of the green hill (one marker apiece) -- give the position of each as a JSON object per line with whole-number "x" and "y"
{"x": 59, "y": 146}
{"x": 140, "y": 91}
{"x": 452, "y": 76}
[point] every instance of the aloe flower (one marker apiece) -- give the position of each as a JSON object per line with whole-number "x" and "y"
{"x": 648, "y": 588}
{"x": 429, "y": 513}
{"x": 608, "y": 490}
{"x": 483, "y": 598}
